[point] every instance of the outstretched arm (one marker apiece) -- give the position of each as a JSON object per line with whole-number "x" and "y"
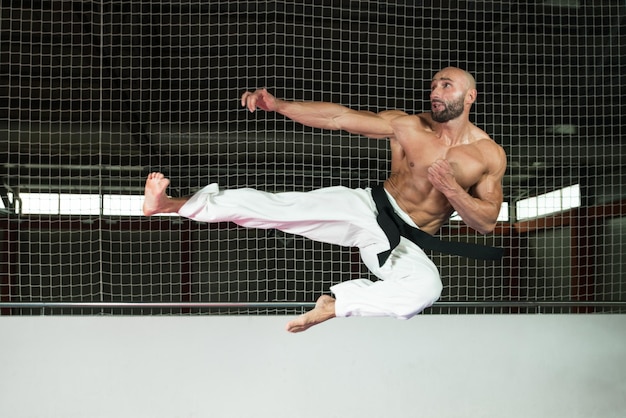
{"x": 323, "y": 115}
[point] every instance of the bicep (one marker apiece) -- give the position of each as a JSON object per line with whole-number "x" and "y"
{"x": 489, "y": 188}
{"x": 369, "y": 124}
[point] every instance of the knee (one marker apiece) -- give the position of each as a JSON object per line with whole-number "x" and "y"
{"x": 436, "y": 289}
{"x": 415, "y": 301}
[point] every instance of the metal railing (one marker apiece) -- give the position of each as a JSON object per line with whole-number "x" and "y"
{"x": 532, "y": 305}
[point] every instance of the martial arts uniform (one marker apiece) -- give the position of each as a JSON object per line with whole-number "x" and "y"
{"x": 409, "y": 280}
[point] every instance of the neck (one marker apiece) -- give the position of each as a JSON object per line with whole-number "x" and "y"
{"x": 454, "y": 132}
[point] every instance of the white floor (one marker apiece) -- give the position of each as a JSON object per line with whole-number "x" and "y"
{"x": 429, "y": 366}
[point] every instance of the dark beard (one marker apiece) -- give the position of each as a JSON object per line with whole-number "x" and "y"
{"x": 452, "y": 111}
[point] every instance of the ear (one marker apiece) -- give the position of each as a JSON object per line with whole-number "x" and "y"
{"x": 471, "y": 95}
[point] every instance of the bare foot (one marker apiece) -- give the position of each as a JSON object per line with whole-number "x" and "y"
{"x": 323, "y": 311}
{"x": 155, "y": 199}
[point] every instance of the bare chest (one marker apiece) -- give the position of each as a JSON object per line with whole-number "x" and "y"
{"x": 466, "y": 161}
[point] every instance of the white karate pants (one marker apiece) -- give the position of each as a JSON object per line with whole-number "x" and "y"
{"x": 409, "y": 282}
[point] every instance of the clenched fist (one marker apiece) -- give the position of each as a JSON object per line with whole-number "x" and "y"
{"x": 441, "y": 176}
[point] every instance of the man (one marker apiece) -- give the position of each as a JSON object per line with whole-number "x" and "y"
{"x": 440, "y": 163}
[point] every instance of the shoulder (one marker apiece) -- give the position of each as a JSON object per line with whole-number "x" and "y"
{"x": 400, "y": 119}
{"x": 482, "y": 140}
{"x": 392, "y": 114}
{"x": 493, "y": 154}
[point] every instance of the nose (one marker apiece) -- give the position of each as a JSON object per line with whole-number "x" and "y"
{"x": 434, "y": 93}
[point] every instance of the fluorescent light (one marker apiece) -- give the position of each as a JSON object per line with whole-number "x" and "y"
{"x": 118, "y": 205}
{"x": 548, "y": 203}
{"x": 82, "y": 204}
{"x": 39, "y": 203}
{"x": 79, "y": 204}
{"x": 503, "y": 216}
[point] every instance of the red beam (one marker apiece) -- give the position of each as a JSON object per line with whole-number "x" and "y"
{"x": 542, "y": 224}
{"x": 8, "y": 257}
{"x": 583, "y": 256}
{"x": 607, "y": 211}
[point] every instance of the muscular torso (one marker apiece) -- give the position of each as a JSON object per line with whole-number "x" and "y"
{"x": 414, "y": 148}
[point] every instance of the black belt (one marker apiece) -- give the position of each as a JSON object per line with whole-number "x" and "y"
{"x": 395, "y": 227}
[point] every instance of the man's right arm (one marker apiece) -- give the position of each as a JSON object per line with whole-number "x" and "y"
{"x": 324, "y": 115}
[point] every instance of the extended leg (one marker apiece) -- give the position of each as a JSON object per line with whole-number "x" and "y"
{"x": 335, "y": 215}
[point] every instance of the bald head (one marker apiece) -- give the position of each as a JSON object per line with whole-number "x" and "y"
{"x": 457, "y": 74}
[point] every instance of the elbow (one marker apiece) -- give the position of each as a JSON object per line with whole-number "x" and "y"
{"x": 486, "y": 228}
{"x": 487, "y": 223}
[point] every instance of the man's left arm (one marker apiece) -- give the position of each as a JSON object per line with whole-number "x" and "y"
{"x": 480, "y": 207}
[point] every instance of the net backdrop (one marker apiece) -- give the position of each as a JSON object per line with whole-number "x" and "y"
{"x": 95, "y": 95}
